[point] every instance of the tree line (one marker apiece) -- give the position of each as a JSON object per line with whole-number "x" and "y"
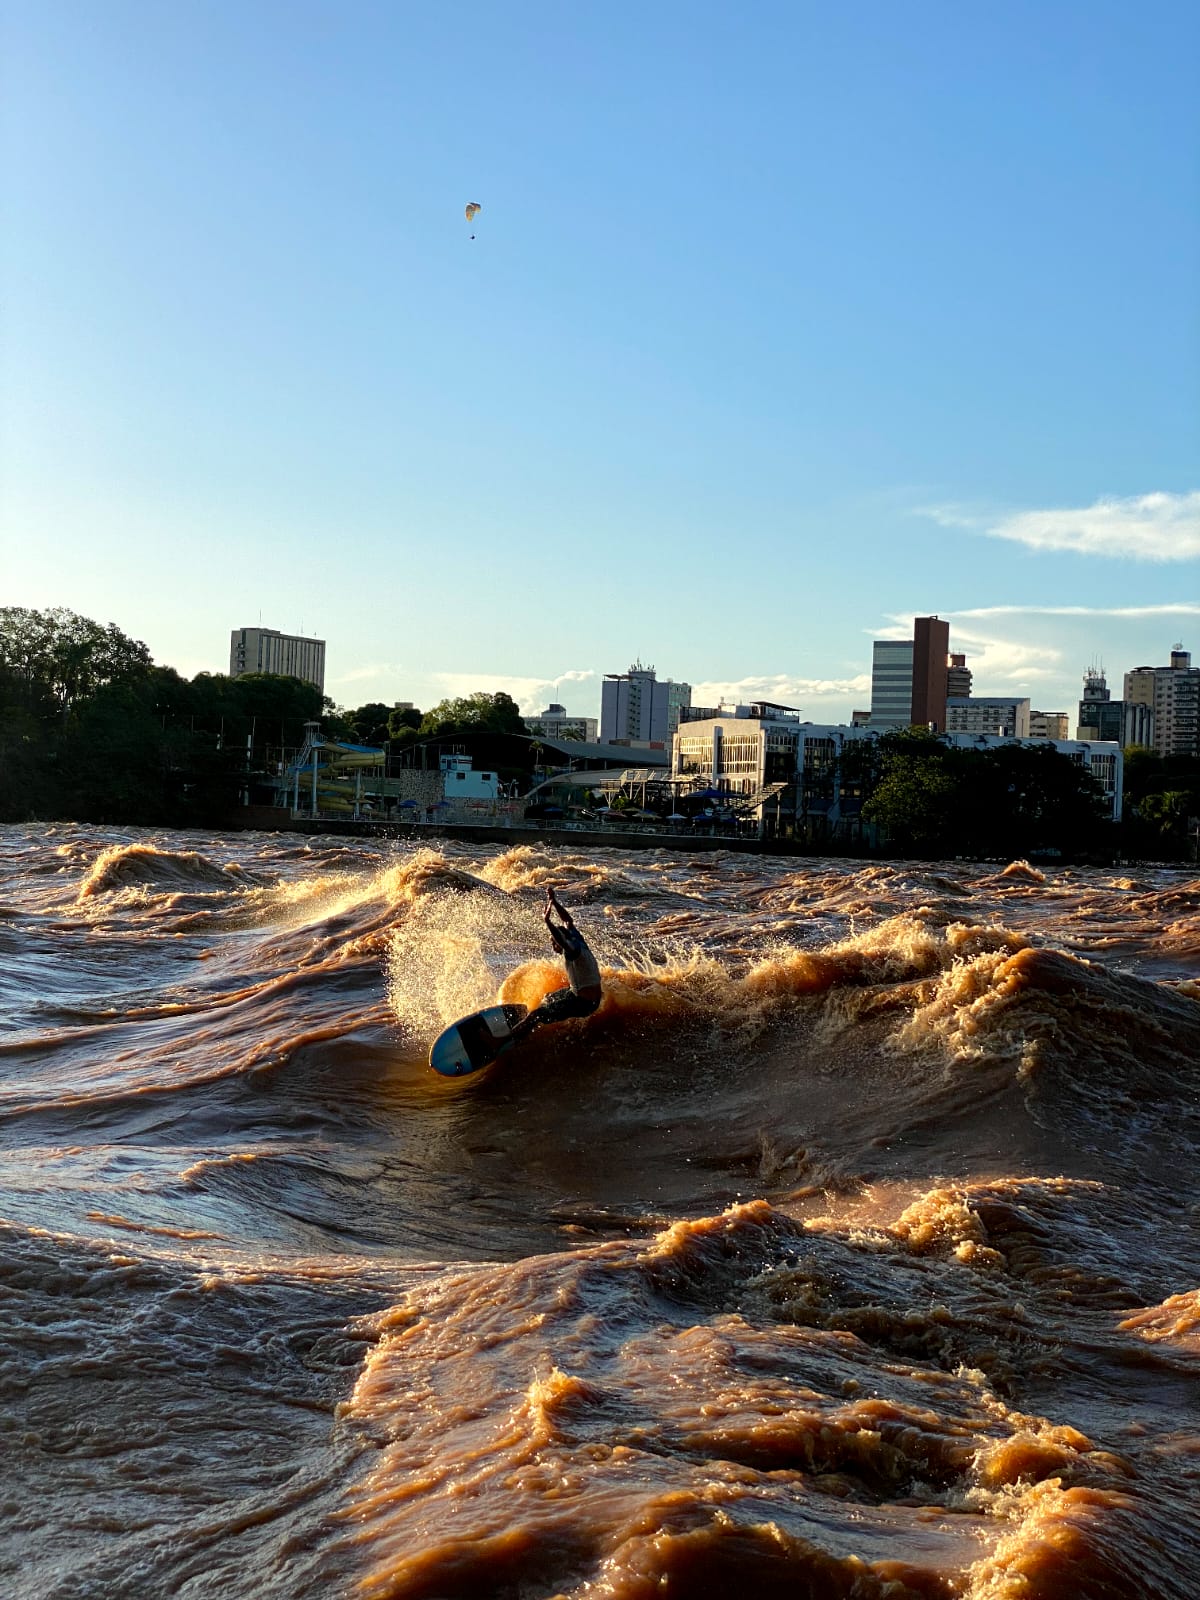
{"x": 931, "y": 798}
{"x": 93, "y": 730}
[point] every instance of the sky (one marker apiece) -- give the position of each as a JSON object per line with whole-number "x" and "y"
{"x": 780, "y": 325}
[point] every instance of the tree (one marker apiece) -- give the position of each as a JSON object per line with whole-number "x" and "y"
{"x": 935, "y": 799}
{"x": 403, "y": 725}
{"x": 368, "y": 724}
{"x": 916, "y": 799}
{"x": 474, "y": 713}
{"x": 51, "y": 660}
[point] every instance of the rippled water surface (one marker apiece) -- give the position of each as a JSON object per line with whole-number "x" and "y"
{"x": 850, "y": 1249}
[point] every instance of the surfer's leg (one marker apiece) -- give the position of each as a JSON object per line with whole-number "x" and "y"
{"x": 559, "y": 1006}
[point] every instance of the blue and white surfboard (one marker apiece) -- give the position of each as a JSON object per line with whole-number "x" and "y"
{"x": 472, "y": 1042}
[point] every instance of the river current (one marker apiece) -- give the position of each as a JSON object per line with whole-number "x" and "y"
{"x": 851, "y": 1249}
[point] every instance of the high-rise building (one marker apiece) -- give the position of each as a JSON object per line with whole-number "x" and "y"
{"x": 1173, "y": 693}
{"x": 1123, "y": 722}
{"x": 931, "y": 653}
{"x": 268, "y": 650}
{"x": 1048, "y": 724}
{"x": 1000, "y": 717}
{"x": 891, "y": 683}
{"x": 958, "y": 679}
{"x": 637, "y": 707}
{"x": 909, "y": 677}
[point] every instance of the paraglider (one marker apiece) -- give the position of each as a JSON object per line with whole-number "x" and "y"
{"x": 472, "y": 208}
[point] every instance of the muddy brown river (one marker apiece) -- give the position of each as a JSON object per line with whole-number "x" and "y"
{"x": 851, "y": 1249}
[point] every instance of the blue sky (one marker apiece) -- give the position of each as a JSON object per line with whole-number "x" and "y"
{"x": 781, "y": 324}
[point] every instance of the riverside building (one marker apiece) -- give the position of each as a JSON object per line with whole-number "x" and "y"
{"x": 267, "y": 650}
{"x": 782, "y": 772}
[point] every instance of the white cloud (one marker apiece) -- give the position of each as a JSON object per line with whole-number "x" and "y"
{"x": 531, "y": 694}
{"x": 385, "y": 680}
{"x": 1183, "y": 608}
{"x": 1009, "y": 661}
{"x": 782, "y": 689}
{"x": 993, "y": 659}
{"x": 1148, "y": 527}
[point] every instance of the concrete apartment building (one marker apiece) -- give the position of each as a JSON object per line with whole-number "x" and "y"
{"x": 1124, "y": 722}
{"x": 958, "y": 679}
{"x": 1173, "y": 694}
{"x": 1049, "y": 725}
{"x": 267, "y": 650}
{"x": 909, "y": 678}
{"x": 637, "y": 707}
{"x": 554, "y": 723}
{"x": 1005, "y": 718}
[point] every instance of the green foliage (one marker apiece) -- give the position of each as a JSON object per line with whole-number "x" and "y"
{"x": 914, "y": 804}
{"x": 1162, "y": 797}
{"x": 935, "y": 799}
{"x": 91, "y": 728}
{"x": 367, "y": 724}
{"x": 474, "y": 713}
{"x": 50, "y": 660}
{"x": 403, "y": 724}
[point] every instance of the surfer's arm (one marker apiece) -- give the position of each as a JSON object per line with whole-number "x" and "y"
{"x": 554, "y": 904}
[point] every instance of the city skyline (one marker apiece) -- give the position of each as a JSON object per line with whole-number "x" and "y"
{"x": 533, "y": 694}
{"x": 775, "y": 333}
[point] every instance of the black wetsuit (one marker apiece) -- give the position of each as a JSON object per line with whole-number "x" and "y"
{"x": 583, "y": 973}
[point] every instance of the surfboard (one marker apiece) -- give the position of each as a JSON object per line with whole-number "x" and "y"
{"x": 471, "y": 1042}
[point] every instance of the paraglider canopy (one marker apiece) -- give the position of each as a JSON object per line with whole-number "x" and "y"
{"x": 472, "y": 210}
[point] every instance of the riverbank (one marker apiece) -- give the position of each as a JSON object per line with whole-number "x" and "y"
{"x": 276, "y": 820}
{"x": 519, "y": 833}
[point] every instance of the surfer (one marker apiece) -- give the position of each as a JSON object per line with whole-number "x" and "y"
{"x": 583, "y": 993}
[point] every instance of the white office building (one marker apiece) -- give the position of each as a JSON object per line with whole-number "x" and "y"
{"x": 287, "y": 654}
{"x": 638, "y": 707}
{"x": 554, "y": 723}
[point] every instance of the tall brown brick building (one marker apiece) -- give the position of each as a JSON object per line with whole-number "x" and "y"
{"x": 931, "y": 655}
